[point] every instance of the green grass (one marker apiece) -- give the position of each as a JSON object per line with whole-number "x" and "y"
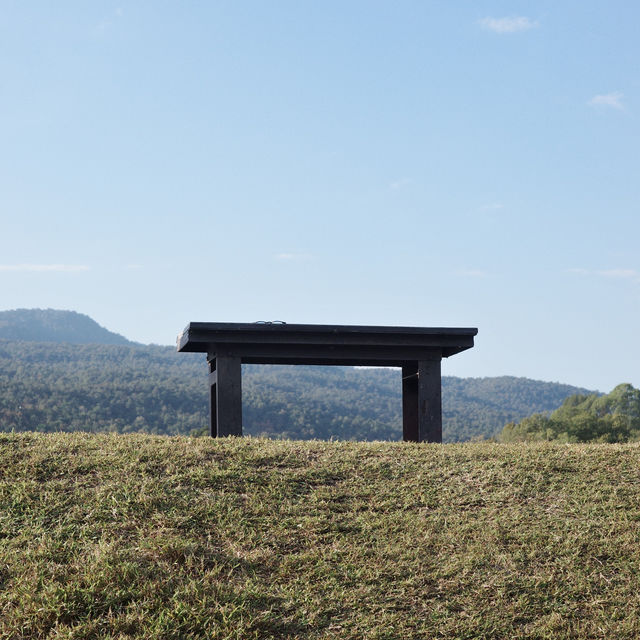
{"x": 148, "y": 537}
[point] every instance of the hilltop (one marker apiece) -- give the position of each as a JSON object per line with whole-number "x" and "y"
{"x": 52, "y": 325}
{"x": 146, "y": 537}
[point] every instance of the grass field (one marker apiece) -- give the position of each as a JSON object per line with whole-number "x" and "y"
{"x": 148, "y": 537}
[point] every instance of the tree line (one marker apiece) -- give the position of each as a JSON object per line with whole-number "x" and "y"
{"x": 123, "y": 388}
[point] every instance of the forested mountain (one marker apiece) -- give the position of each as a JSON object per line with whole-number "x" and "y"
{"x": 51, "y": 325}
{"x": 68, "y": 387}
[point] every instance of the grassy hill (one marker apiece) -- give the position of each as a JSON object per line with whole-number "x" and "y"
{"x": 106, "y": 536}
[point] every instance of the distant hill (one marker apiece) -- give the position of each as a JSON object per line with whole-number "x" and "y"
{"x": 51, "y": 325}
{"x": 153, "y": 389}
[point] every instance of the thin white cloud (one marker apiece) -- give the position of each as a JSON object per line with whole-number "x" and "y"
{"x": 612, "y": 100}
{"x": 512, "y": 24}
{"x": 292, "y": 256}
{"x": 107, "y": 23}
{"x": 472, "y": 273}
{"x": 493, "y": 206}
{"x": 632, "y": 275}
{"x": 626, "y": 274}
{"x": 398, "y": 184}
{"x": 44, "y": 267}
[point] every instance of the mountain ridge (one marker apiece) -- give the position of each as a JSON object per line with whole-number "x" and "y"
{"x": 56, "y": 325}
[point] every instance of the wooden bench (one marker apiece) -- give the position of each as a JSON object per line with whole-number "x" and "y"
{"x": 417, "y": 351}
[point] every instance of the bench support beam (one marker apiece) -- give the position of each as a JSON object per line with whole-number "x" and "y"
{"x": 225, "y": 394}
{"x": 422, "y": 401}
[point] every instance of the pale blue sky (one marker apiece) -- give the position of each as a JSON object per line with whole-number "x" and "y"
{"x": 408, "y": 163}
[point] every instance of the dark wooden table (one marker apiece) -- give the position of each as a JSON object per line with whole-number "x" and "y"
{"x": 417, "y": 351}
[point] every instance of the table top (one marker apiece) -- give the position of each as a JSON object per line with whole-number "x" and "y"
{"x": 210, "y": 336}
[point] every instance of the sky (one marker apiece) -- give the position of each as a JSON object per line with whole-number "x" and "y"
{"x": 411, "y": 163}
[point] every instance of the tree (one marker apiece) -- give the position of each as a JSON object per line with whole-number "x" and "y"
{"x": 584, "y": 418}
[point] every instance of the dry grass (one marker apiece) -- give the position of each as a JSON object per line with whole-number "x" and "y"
{"x": 147, "y": 537}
